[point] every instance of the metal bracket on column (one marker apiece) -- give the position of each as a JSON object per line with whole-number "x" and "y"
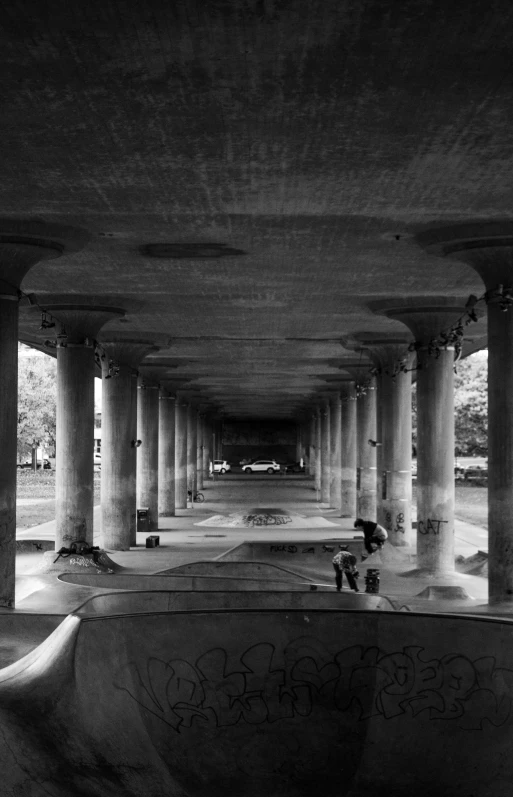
{"x": 501, "y": 295}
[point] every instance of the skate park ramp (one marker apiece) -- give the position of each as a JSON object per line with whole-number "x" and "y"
{"x": 238, "y": 576}
{"x": 241, "y": 703}
{"x": 237, "y": 569}
{"x": 312, "y": 558}
{"x": 266, "y": 517}
{"x": 161, "y": 601}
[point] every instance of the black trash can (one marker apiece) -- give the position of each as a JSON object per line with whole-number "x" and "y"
{"x": 372, "y": 581}
{"x": 143, "y": 520}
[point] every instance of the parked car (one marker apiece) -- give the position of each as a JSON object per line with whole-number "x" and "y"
{"x": 262, "y": 466}
{"x": 459, "y": 472}
{"x": 220, "y": 466}
{"x": 479, "y": 473}
{"x": 47, "y": 465}
{"x": 293, "y": 467}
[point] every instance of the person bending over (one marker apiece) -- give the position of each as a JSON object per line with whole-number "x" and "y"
{"x": 374, "y": 535}
{"x": 345, "y": 562}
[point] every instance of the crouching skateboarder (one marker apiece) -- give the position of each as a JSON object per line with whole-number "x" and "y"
{"x": 374, "y": 535}
{"x": 345, "y": 562}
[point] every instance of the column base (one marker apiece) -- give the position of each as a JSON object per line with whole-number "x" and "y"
{"x": 98, "y": 563}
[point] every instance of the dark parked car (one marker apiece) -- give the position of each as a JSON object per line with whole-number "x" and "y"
{"x": 293, "y": 467}
{"x": 28, "y": 464}
{"x": 476, "y": 474}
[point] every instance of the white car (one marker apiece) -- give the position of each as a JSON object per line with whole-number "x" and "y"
{"x": 220, "y": 466}
{"x": 262, "y": 465}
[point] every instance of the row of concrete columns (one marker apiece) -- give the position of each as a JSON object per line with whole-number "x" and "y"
{"x": 346, "y": 462}
{"x": 360, "y": 439}
{"x": 486, "y": 247}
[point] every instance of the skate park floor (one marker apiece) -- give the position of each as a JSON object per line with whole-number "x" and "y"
{"x": 189, "y": 537}
{"x": 127, "y": 655}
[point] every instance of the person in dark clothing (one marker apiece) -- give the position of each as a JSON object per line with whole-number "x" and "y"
{"x": 374, "y": 535}
{"x": 345, "y": 562}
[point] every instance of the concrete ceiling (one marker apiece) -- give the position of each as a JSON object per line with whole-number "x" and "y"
{"x": 313, "y": 137}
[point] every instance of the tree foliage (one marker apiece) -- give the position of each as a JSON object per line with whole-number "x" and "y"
{"x": 470, "y": 407}
{"x": 37, "y": 391}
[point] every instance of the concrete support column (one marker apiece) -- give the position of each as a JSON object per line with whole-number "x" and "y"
{"x": 299, "y": 442}
{"x": 22, "y": 245}
{"x": 336, "y": 452}
{"x": 392, "y": 362}
{"x": 199, "y": 451}
{"x": 366, "y": 430}
{"x": 74, "y": 444}
{"x": 428, "y": 319}
{"x": 217, "y": 439}
{"x": 207, "y": 447}
{"x": 192, "y": 442}
{"x": 349, "y": 452}
{"x": 77, "y": 329}
{"x": 8, "y": 443}
{"x": 119, "y": 436}
{"x": 396, "y": 448}
{"x": 488, "y": 248}
{"x": 318, "y": 453}
{"x": 120, "y": 358}
{"x": 312, "y": 449}
{"x": 325, "y": 452}
{"x": 181, "y": 453}
{"x": 435, "y": 461}
{"x": 148, "y": 451}
{"x": 380, "y": 477}
{"x": 166, "y": 449}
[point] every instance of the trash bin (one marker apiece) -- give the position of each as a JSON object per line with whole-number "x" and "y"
{"x": 143, "y": 520}
{"x": 372, "y": 581}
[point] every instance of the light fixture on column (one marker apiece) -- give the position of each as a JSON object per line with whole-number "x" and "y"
{"x": 62, "y": 337}
{"x": 46, "y": 321}
{"x": 501, "y": 295}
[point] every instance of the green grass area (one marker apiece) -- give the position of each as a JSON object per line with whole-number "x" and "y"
{"x": 471, "y": 499}
{"x": 40, "y": 485}
{"x": 471, "y": 503}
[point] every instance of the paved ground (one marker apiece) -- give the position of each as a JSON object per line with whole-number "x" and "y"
{"x": 143, "y": 701}
{"x": 185, "y": 539}
{"x": 224, "y": 662}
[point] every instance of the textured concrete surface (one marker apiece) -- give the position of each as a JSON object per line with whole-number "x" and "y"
{"x": 306, "y": 135}
{"x": 203, "y": 703}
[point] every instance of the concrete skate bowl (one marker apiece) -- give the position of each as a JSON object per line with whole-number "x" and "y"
{"x": 237, "y": 569}
{"x": 312, "y": 558}
{"x": 21, "y": 632}
{"x": 239, "y": 577}
{"x": 160, "y": 601}
{"x": 242, "y": 704}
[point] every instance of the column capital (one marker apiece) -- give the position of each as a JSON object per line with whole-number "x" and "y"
{"x": 384, "y": 351}
{"x": 127, "y": 350}
{"x": 348, "y": 392}
{"x": 487, "y": 246}
{"x": 428, "y": 317}
{"x": 79, "y": 319}
{"x": 25, "y": 242}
